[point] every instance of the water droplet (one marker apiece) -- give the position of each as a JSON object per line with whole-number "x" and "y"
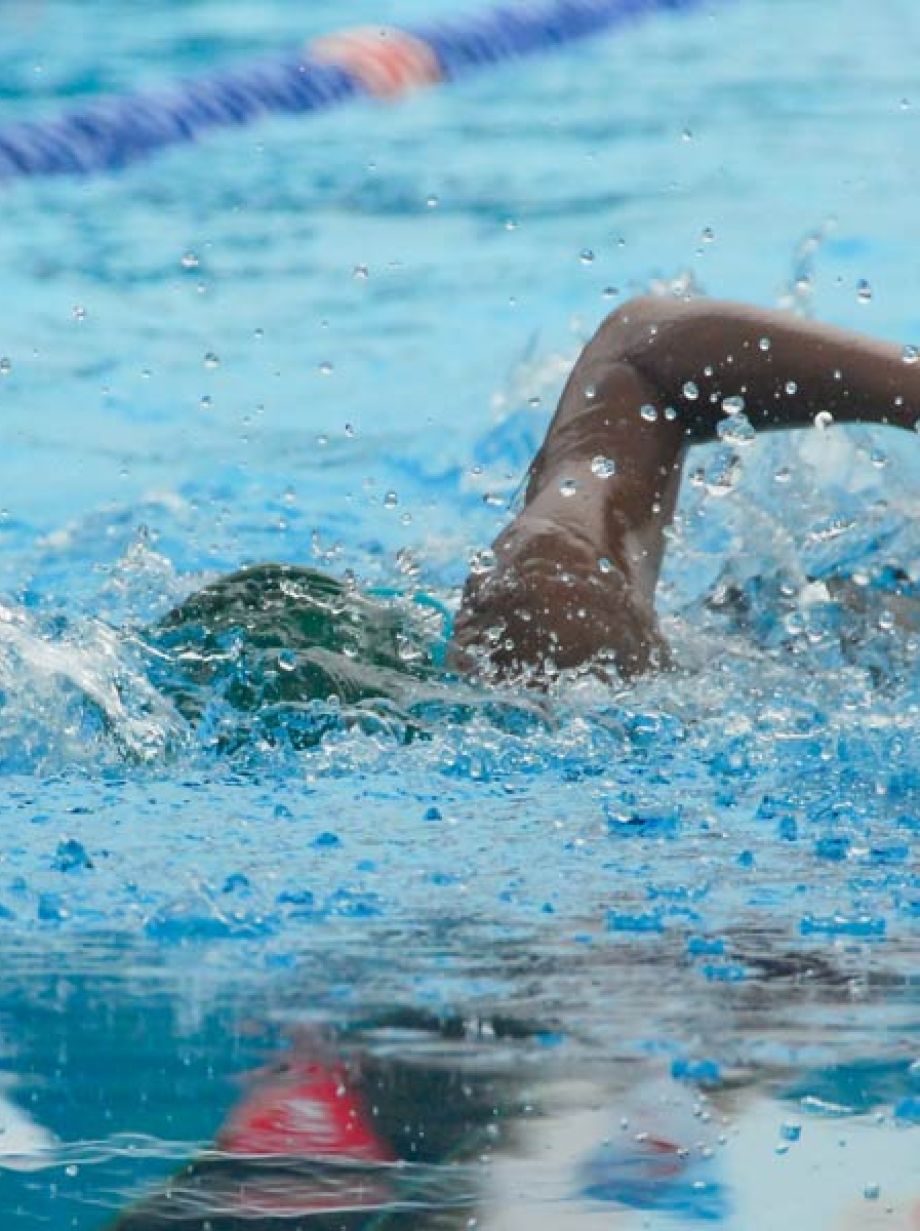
{"x": 910, "y": 354}
{"x": 390, "y": 500}
{"x": 586, "y": 256}
{"x": 649, "y": 413}
{"x": 568, "y": 487}
{"x": 211, "y": 360}
{"x": 791, "y": 387}
{"x": 764, "y": 344}
{"x": 5, "y": 366}
{"x": 360, "y": 273}
{"x": 733, "y": 405}
{"x": 189, "y": 260}
{"x": 690, "y": 391}
{"x": 603, "y": 467}
{"x": 325, "y": 368}
{"x": 737, "y": 431}
{"x": 823, "y": 420}
{"x": 863, "y": 291}
{"x": 723, "y": 476}
{"x": 482, "y": 561}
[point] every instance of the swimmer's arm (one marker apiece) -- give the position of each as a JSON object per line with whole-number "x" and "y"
{"x": 576, "y": 571}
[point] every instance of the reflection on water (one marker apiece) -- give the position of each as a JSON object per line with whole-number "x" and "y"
{"x": 265, "y": 1113}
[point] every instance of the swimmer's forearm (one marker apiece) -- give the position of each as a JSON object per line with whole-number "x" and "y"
{"x": 706, "y": 359}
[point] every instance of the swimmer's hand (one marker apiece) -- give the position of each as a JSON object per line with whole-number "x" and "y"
{"x": 550, "y": 603}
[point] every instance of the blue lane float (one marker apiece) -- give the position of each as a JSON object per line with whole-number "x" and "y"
{"x": 381, "y": 62}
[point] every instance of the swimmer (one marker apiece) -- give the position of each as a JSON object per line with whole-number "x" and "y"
{"x": 574, "y": 574}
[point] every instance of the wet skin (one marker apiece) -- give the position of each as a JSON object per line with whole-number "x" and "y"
{"x": 575, "y": 571}
{"x": 574, "y": 576}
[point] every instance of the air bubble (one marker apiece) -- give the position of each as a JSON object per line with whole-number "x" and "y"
{"x": 78, "y": 312}
{"x": 910, "y": 354}
{"x": 782, "y": 475}
{"x": 189, "y": 260}
{"x": 390, "y": 500}
{"x": 823, "y": 420}
{"x": 604, "y": 565}
{"x": 211, "y": 360}
{"x": 360, "y": 273}
{"x": 791, "y": 387}
{"x": 863, "y": 291}
{"x": 325, "y": 368}
{"x": 568, "y": 487}
{"x": 733, "y": 405}
{"x": 603, "y": 467}
{"x": 586, "y": 256}
{"x": 872, "y": 1191}
{"x": 690, "y": 391}
{"x": 649, "y": 413}
{"x": 5, "y": 366}
{"x": 764, "y": 344}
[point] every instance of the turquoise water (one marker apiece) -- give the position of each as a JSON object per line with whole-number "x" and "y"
{"x": 687, "y": 908}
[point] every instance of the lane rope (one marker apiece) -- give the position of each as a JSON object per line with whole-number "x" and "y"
{"x": 371, "y": 61}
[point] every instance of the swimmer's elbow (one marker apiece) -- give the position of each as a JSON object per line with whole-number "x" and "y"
{"x": 628, "y": 335}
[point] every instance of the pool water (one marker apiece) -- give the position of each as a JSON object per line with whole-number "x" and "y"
{"x": 634, "y": 957}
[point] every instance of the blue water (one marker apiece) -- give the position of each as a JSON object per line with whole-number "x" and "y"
{"x": 336, "y": 341}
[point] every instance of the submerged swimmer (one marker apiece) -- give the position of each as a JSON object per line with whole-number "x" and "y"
{"x": 574, "y": 574}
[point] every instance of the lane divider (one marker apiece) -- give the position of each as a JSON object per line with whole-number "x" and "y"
{"x": 372, "y": 61}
